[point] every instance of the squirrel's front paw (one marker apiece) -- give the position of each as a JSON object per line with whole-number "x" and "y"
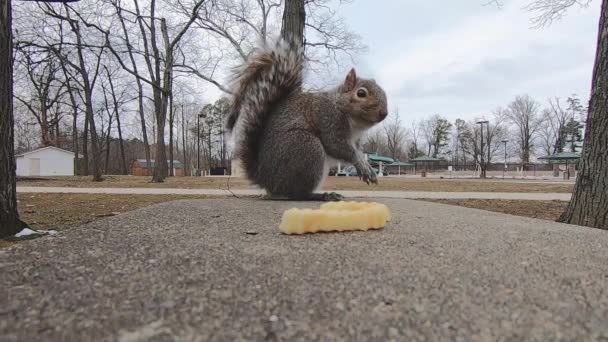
{"x": 368, "y": 175}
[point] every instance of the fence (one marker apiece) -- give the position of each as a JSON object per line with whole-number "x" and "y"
{"x": 445, "y": 169}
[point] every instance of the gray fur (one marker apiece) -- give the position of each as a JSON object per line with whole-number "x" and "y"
{"x": 285, "y": 135}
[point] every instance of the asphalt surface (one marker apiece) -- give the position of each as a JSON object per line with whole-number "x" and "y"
{"x": 219, "y": 270}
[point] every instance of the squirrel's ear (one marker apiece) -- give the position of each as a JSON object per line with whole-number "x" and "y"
{"x": 351, "y": 81}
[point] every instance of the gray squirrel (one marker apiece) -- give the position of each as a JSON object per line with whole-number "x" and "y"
{"x": 286, "y": 137}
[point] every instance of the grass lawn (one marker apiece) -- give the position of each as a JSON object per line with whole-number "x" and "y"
{"x": 546, "y": 210}
{"x": 63, "y": 211}
{"x": 332, "y": 184}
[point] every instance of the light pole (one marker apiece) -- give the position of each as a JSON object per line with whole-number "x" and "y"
{"x": 481, "y": 164}
{"x": 505, "y": 169}
{"x": 198, "y": 142}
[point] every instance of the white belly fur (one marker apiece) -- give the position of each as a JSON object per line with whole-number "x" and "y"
{"x": 357, "y": 133}
{"x": 329, "y": 163}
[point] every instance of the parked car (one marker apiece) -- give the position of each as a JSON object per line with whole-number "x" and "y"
{"x": 351, "y": 171}
{"x": 348, "y": 171}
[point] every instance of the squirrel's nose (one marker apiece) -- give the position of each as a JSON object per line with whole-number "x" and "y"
{"x": 383, "y": 113}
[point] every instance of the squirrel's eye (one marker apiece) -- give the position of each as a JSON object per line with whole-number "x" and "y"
{"x": 362, "y": 92}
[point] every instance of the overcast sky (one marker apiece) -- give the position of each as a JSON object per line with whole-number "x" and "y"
{"x": 463, "y": 59}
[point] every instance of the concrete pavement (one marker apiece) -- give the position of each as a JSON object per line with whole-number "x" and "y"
{"x": 537, "y": 196}
{"x": 219, "y": 270}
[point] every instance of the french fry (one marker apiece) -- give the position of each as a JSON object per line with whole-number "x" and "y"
{"x": 335, "y": 216}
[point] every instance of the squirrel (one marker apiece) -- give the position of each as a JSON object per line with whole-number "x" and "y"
{"x": 286, "y": 137}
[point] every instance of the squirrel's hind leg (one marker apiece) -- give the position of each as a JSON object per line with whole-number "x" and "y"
{"x": 326, "y": 197}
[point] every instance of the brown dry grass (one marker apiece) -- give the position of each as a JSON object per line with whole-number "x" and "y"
{"x": 546, "y": 210}
{"x": 332, "y": 183}
{"x": 63, "y": 211}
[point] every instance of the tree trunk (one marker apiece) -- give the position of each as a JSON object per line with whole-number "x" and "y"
{"x": 140, "y": 91}
{"x": 171, "y": 135}
{"x": 121, "y": 146}
{"x": 74, "y": 121}
{"x": 94, "y": 140}
{"x": 75, "y": 141}
{"x": 85, "y": 147}
{"x": 10, "y": 224}
{"x": 142, "y": 118}
{"x": 294, "y": 18}
{"x": 107, "y": 163}
{"x": 589, "y": 204}
{"x": 160, "y": 168}
{"x": 185, "y": 162}
{"x": 88, "y": 99}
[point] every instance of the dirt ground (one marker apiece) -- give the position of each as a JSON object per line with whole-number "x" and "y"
{"x": 64, "y": 211}
{"x": 545, "y": 210}
{"x": 332, "y": 183}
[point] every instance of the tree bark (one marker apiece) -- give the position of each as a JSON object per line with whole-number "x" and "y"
{"x": 171, "y": 135}
{"x": 110, "y": 116}
{"x": 294, "y": 18}
{"x": 108, "y": 147}
{"x": 589, "y": 204}
{"x": 10, "y": 224}
{"x": 85, "y": 148}
{"x": 185, "y": 162}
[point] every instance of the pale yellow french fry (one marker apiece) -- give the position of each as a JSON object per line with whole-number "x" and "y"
{"x": 351, "y": 205}
{"x": 335, "y": 216}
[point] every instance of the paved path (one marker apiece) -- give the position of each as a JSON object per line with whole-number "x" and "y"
{"x": 219, "y": 270}
{"x": 350, "y": 194}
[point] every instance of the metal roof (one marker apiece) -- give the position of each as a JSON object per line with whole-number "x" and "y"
{"x": 44, "y": 148}
{"x": 562, "y": 156}
{"x": 398, "y": 163}
{"x": 377, "y": 158}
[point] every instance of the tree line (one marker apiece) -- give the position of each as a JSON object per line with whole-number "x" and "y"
{"x": 523, "y": 127}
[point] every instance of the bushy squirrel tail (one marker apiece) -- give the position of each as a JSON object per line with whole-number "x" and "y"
{"x": 268, "y": 75}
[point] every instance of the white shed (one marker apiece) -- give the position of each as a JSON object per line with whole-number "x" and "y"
{"x": 46, "y": 161}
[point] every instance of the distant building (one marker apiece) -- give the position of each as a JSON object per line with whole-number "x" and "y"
{"x": 139, "y": 167}
{"x": 45, "y": 161}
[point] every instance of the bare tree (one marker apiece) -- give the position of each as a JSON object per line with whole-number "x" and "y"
{"x": 395, "y": 136}
{"x": 47, "y": 89}
{"x": 415, "y": 132}
{"x": 375, "y": 141}
{"x": 548, "y": 11}
{"x": 140, "y": 90}
{"x": 236, "y": 26}
{"x": 117, "y": 109}
{"x": 160, "y": 69}
{"x": 72, "y": 90}
{"x": 427, "y": 127}
{"x": 523, "y": 113}
{"x": 87, "y": 68}
{"x": 552, "y": 130}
